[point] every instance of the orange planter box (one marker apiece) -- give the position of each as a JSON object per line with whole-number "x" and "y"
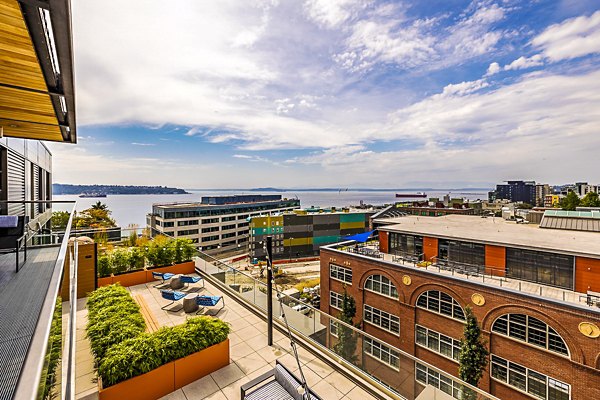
{"x": 183, "y": 268}
{"x": 198, "y": 365}
{"x": 150, "y": 386}
{"x": 169, "y": 377}
{"x": 131, "y": 278}
{"x": 105, "y": 281}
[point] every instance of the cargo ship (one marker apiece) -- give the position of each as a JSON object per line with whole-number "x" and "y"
{"x": 417, "y": 195}
{"x": 86, "y": 195}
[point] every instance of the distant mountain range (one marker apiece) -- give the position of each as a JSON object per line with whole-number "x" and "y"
{"x": 60, "y": 188}
{"x": 281, "y": 190}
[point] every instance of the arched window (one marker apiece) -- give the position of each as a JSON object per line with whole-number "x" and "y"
{"x": 382, "y": 285}
{"x": 441, "y": 303}
{"x": 530, "y": 330}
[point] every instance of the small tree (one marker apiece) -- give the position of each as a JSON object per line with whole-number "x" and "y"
{"x": 60, "y": 219}
{"x": 347, "y": 339}
{"x": 591, "y": 200}
{"x": 570, "y": 202}
{"x": 473, "y": 357}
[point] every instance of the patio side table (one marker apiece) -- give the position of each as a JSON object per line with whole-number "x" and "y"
{"x": 189, "y": 303}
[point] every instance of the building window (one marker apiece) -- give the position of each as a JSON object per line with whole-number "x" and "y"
{"x": 529, "y": 381}
{"x": 540, "y": 267}
{"x": 168, "y": 224}
{"x": 230, "y": 218}
{"x": 211, "y": 229}
{"x": 381, "y": 319}
{"x": 210, "y": 238}
{"x": 228, "y": 235}
{"x": 227, "y": 227}
{"x": 187, "y": 222}
{"x": 340, "y": 273}
{"x": 210, "y": 220}
{"x": 429, "y": 376}
{"x": 382, "y": 285}
{"x": 470, "y": 256}
{"x": 187, "y": 232}
{"x": 530, "y": 330}
{"x": 406, "y": 244}
{"x": 335, "y": 300}
{"x": 437, "y": 342}
{"x": 441, "y": 303}
{"x": 383, "y": 353}
{"x": 333, "y": 328}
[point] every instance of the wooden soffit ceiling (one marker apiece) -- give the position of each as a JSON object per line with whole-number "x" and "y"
{"x": 26, "y": 108}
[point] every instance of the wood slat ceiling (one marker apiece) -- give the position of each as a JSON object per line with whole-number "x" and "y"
{"x": 24, "y": 113}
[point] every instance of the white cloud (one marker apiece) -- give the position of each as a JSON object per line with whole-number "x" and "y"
{"x": 572, "y": 38}
{"x": 463, "y": 88}
{"x": 143, "y": 144}
{"x": 493, "y": 69}
{"x": 241, "y": 156}
{"x": 333, "y": 13}
{"x": 525, "y": 62}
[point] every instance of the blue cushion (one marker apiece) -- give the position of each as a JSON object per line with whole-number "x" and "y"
{"x": 165, "y": 275}
{"x": 207, "y": 301}
{"x": 171, "y": 295}
{"x": 190, "y": 279}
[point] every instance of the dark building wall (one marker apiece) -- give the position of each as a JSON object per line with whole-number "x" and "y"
{"x": 517, "y": 191}
{"x": 580, "y": 369}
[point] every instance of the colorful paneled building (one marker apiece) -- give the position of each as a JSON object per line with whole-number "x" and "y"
{"x": 301, "y": 233}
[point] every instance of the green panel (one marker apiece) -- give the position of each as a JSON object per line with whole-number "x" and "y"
{"x": 325, "y": 239}
{"x": 352, "y": 217}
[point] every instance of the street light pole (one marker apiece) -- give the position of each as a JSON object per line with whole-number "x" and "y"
{"x": 270, "y": 290}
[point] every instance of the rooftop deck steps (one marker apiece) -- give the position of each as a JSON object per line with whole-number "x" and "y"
{"x": 152, "y": 324}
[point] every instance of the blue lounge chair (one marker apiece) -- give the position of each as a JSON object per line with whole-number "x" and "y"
{"x": 173, "y": 296}
{"x": 163, "y": 276}
{"x": 209, "y": 301}
{"x": 191, "y": 279}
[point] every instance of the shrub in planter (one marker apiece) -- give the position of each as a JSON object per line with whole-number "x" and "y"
{"x": 145, "y": 352}
{"x": 104, "y": 266}
{"x": 120, "y": 260}
{"x": 113, "y": 317}
{"x": 159, "y": 252}
{"x": 183, "y": 250}
{"x": 136, "y": 259}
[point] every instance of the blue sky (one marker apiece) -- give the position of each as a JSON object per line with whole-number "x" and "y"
{"x": 334, "y": 93}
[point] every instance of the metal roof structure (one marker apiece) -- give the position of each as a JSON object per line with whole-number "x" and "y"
{"x": 588, "y": 221}
{"x": 37, "y": 93}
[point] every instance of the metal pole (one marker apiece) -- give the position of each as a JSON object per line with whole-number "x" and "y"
{"x": 269, "y": 290}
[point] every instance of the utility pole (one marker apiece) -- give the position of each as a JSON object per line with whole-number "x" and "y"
{"x": 270, "y": 290}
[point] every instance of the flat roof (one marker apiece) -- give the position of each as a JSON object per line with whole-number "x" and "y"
{"x": 205, "y": 205}
{"x": 497, "y": 231}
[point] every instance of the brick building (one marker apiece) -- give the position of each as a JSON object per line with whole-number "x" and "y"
{"x": 544, "y": 343}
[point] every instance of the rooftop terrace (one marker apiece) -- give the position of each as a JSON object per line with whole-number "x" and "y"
{"x": 497, "y": 231}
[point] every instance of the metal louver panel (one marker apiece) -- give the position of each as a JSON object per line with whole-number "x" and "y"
{"x": 16, "y": 183}
{"x": 35, "y": 190}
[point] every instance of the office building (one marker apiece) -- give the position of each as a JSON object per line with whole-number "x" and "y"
{"x": 301, "y": 233}
{"x": 217, "y": 223}
{"x": 541, "y": 191}
{"x": 515, "y": 191}
{"x": 532, "y": 291}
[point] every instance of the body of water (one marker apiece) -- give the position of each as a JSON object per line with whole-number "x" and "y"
{"x": 132, "y": 209}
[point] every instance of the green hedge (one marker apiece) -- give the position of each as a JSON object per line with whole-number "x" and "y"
{"x": 113, "y": 316}
{"x": 121, "y": 347}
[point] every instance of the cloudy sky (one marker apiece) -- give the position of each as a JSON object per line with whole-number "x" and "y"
{"x": 334, "y": 93}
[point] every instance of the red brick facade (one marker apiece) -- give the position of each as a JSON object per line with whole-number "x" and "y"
{"x": 580, "y": 369}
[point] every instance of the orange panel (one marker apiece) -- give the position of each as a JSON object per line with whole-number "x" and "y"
{"x": 383, "y": 242}
{"x": 150, "y": 386}
{"x": 587, "y": 274}
{"x": 198, "y": 365}
{"x": 131, "y": 278}
{"x": 105, "y": 281}
{"x": 430, "y": 248}
{"x": 495, "y": 260}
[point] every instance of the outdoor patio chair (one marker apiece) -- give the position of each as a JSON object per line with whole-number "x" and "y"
{"x": 163, "y": 276}
{"x": 187, "y": 280}
{"x": 13, "y": 237}
{"x": 279, "y": 383}
{"x": 209, "y": 301}
{"x": 173, "y": 296}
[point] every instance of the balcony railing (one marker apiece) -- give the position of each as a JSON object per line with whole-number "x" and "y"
{"x": 40, "y": 366}
{"x": 391, "y": 370}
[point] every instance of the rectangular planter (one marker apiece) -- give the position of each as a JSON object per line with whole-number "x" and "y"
{"x": 150, "y": 386}
{"x": 183, "y": 268}
{"x": 105, "y": 281}
{"x": 198, "y": 365}
{"x": 169, "y": 377}
{"x": 131, "y": 278}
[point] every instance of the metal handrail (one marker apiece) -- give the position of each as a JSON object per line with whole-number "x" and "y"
{"x": 280, "y": 295}
{"x": 69, "y": 390}
{"x": 29, "y": 379}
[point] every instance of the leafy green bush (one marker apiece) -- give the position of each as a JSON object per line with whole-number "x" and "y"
{"x": 159, "y": 252}
{"x": 120, "y": 260}
{"x": 183, "y": 250}
{"x": 104, "y": 266}
{"x": 113, "y": 317}
{"x": 53, "y": 354}
{"x": 136, "y": 259}
{"x": 145, "y": 352}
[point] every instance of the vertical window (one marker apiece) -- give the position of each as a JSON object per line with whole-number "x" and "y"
{"x": 441, "y": 303}
{"x": 437, "y": 342}
{"x": 383, "y": 353}
{"x": 340, "y": 273}
{"x": 335, "y": 300}
{"x": 381, "y": 319}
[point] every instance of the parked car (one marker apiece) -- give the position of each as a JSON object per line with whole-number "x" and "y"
{"x": 302, "y": 309}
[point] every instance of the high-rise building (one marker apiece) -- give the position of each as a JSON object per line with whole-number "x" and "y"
{"x": 217, "y": 223}
{"x": 516, "y": 191}
{"x": 541, "y": 191}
